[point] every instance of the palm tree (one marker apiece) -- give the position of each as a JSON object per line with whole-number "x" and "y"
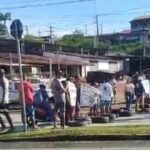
{"x": 1, "y": 17}
{"x": 6, "y": 17}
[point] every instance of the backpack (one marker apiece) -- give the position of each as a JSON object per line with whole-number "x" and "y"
{"x": 38, "y": 98}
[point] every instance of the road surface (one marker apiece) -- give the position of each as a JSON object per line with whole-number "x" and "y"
{"x": 104, "y": 145}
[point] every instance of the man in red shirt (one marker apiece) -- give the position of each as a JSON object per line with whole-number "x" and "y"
{"x": 28, "y": 94}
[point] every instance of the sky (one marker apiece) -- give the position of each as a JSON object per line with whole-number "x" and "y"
{"x": 65, "y": 16}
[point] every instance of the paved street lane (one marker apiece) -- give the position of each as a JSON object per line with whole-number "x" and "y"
{"x": 104, "y": 145}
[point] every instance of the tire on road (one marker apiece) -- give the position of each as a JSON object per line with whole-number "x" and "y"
{"x": 77, "y": 123}
{"x": 112, "y": 118}
{"x": 147, "y": 105}
{"x": 126, "y": 113}
{"x": 115, "y": 111}
{"x": 87, "y": 119}
{"x": 101, "y": 119}
{"x": 147, "y": 110}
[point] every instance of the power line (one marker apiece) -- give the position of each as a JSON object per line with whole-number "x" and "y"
{"x": 27, "y": 1}
{"x": 46, "y": 4}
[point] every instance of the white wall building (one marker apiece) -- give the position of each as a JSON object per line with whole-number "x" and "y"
{"x": 104, "y": 65}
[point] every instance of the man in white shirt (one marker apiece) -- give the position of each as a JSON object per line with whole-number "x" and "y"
{"x": 105, "y": 94}
{"x": 71, "y": 100}
{"x": 4, "y": 100}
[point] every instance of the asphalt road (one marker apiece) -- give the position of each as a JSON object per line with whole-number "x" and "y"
{"x": 104, "y": 145}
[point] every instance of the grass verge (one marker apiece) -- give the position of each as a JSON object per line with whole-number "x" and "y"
{"x": 82, "y": 133}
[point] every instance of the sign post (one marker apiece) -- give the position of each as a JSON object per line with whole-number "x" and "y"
{"x": 16, "y": 29}
{"x": 50, "y": 69}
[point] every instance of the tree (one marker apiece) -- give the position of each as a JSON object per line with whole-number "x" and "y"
{"x": 3, "y": 30}
{"x": 32, "y": 38}
{"x": 78, "y": 40}
{"x": 129, "y": 48}
{"x": 5, "y": 17}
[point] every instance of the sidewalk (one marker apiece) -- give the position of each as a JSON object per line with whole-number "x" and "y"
{"x": 140, "y": 119}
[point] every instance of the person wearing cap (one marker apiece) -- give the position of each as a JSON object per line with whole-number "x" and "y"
{"x": 59, "y": 92}
{"x": 40, "y": 102}
{"x": 139, "y": 93}
{"x": 4, "y": 100}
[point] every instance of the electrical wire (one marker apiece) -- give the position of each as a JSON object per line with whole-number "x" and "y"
{"x": 43, "y": 5}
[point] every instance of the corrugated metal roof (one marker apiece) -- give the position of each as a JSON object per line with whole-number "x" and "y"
{"x": 140, "y": 18}
{"x": 40, "y": 60}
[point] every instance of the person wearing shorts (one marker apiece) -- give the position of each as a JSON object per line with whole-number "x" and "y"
{"x": 129, "y": 93}
{"x": 59, "y": 92}
{"x": 71, "y": 96}
{"x": 114, "y": 91}
{"x": 105, "y": 106}
{"x": 105, "y": 97}
{"x": 28, "y": 94}
{"x": 139, "y": 93}
{"x": 4, "y": 101}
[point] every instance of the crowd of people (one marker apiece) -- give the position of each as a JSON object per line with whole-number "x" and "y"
{"x": 66, "y": 100}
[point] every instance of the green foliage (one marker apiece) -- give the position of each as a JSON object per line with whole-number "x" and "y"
{"x": 129, "y": 48}
{"x": 32, "y": 38}
{"x": 3, "y": 29}
{"x": 78, "y": 40}
{"x": 5, "y": 17}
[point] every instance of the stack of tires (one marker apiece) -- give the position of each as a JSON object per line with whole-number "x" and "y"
{"x": 147, "y": 108}
{"x": 116, "y": 112}
{"x": 126, "y": 113}
{"x": 104, "y": 119}
{"x": 80, "y": 121}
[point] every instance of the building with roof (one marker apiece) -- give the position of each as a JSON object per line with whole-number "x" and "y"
{"x": 139, "y": 31}
{"x": 141, "y": 23}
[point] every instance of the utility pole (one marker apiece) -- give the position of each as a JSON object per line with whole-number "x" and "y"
{"x": 39, "y": 33}
{"x": 144, "y": 39}
{"x": 96, "y": 39}
{"x": 27, "y": 30}
{"x": 51, "y": 34}
{"x": 85, "y": 30}
{"x": 101, "y": 29}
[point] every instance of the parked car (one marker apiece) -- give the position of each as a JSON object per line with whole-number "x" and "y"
{"x": 14, "y": 95}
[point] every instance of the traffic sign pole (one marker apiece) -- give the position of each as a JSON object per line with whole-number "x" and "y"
{"x": 22, "y": 86}
{"x": 16, "y": 32}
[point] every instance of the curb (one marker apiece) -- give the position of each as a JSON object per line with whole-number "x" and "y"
{"x": 81, "y": 138}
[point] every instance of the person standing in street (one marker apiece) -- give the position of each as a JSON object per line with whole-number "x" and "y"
{"x": 129, "y": 93}
{"x": 139, "y": 93}
{"x": 28, "y": 94}
{"x": 71, "y": 100}
{"x": 4, "y": 100}
{"x": 105, "y": 97}
{"x": 59, "y": 92}
{"x": 114, "y": 91}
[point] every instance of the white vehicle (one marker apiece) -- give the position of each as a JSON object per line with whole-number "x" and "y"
{"x": 13, "y": 92}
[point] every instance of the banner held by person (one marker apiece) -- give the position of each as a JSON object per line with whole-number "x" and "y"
{"x": 87, "y": 92}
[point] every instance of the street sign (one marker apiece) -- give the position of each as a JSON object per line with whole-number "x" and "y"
{"x": 16, "y": 29}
